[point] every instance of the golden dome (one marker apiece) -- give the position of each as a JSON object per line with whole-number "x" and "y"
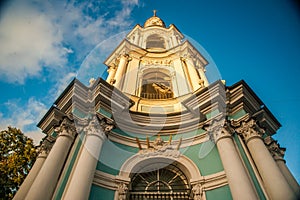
{"x": 154, "y": 21}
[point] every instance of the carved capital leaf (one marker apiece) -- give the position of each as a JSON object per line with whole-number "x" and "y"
{"x": 66, "y": 128}
{"x": 249, "y": 129}
{"x": 218, "y": 129}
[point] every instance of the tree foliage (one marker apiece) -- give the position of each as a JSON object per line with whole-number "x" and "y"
{"x": 17, "y": 155}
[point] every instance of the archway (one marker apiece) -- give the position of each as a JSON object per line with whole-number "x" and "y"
{"x": 159, "y": 177}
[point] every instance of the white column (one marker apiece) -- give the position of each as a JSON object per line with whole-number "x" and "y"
{"x": 274, "y": 181}
{"x": 193, "y": 74}
{"x": 239, "y": 182}
{"x": 46, "y": 180}
{"x": 121, "y": 70}
{"x": 289, "y": 177}
{"x": 111, "y": 74}
{"x": 26, "y": 185}
{"x": 278, "y": 153}
{"x": 81, "y": 181}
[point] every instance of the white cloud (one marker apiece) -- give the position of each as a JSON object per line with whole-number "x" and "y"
{"x": 61, "y": 84}
{"x": 25, "y": 117}
{"x": 40, "y": 34}
{"x": 28, "y": 41}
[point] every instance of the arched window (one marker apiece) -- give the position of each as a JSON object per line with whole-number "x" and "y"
{"x": 165, "y": 183}
{"x": 155, "y": 41}
{"x": 156, "y": 85}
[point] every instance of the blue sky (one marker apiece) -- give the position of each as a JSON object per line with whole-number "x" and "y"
{"x": 43, "y": 43}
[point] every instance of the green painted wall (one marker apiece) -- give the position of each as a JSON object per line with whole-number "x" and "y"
{"x": 164, "y": 137}
{"x": 237, "y": 115}
{"x": 205, "y": 156}
{"x": 221, "y": 193}
{"x": 99, "y": 193}
{"x": 113, "y": 155}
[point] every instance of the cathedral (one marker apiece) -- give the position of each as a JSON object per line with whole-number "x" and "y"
{"x": 157, "y": 128}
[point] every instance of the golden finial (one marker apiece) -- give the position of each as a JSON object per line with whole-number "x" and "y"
{"x": 154, "y": 13}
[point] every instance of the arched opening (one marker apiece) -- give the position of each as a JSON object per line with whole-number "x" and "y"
{"x": 168, "y": 182}
{"x": 155, "y": 41}
{"x": 156, "y": 85}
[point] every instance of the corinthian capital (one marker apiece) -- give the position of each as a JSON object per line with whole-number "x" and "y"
{"x": 218, "y": 129}
{"x": 273, "y": 146}
{"x": 45, "y": 148}
{"x": 66, "y": 128}
{"x": 249, "y": 130}
{"x": 97, "y": 127}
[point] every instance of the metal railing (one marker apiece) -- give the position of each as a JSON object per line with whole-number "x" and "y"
{"x": 157, "y": 95}
{"x": 159, "y": 195}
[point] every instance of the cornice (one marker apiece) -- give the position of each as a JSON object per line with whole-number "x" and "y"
{"x": 241, "y": 97}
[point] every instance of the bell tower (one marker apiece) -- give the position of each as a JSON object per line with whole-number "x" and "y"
{"x": 155, "y": 62}
{"x": 156, "y": 129}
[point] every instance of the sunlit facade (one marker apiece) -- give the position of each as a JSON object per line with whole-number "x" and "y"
{"x": 156, "y": 128}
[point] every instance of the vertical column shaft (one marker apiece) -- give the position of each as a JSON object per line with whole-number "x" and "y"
{"x": 289, "y": 177}
{"x": 26, "y": 185}
{"x": 193, "y": 75}
{"x": 47, "y": 178}
{"x": 121, "y": 70}
{"x": 274, "y": 181}
{"x": 111, "y": 74}
{"x": 238, "y": 179}
{"x": 83, "y": 175}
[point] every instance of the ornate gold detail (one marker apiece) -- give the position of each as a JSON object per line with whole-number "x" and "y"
{"x": 159, "y": 147}
{"x": 249, "y": 130}
{"x": 197, "y": 191}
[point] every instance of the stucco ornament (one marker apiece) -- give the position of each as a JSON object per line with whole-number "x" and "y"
{"x": 197, "y": 191}
{"x": 122, "y": 190}
{"x": 249, "y": 129}
{"x": 159, "y": 147}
